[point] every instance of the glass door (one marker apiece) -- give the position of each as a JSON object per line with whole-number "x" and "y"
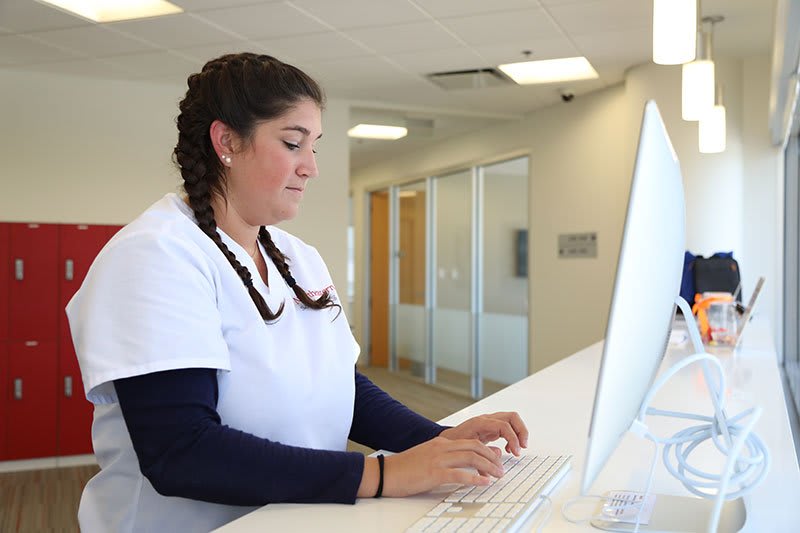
{"x": 410, "y": 338}
{"x": 451, "y": 311}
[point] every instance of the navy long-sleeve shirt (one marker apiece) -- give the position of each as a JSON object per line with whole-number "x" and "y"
{"x": 184, "y": 450}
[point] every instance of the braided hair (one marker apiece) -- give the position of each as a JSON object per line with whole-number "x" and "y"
{"x": 239, "y": 90}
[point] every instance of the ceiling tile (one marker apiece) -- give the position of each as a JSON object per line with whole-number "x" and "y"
{"x": 460, "y": 8}
{"x": 354, "y": 72}
{"x": 345, "y": 14}
{"x": 404, "y": 37}
{"x": 20, "y": 16}
{"x": 93, "y": 40}
{"x": 445, "y": 59}
{"x": 20, "y": 50}
{"x": 602, "y": 16}
{"x": 505, "y": 26}
{"x": 202, "y": 5}
{"x": 314, "y": 47}
{"x": 512, "y": 52}
{"x": 96, "y": 68}
{"x": 548, "y": 3}
{"x": 155, "y": 65}
{"x": 205, "y": 53}
{"x": 264, "y": 21}
{"x": 629, "y": 45}
{"x": 173, "y": 31}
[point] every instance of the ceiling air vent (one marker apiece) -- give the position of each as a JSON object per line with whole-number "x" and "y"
{"x": 470, "y": 79}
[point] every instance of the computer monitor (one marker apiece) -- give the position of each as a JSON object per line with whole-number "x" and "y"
{"x": 647, "y": 282}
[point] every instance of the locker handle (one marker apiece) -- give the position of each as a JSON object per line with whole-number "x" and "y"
{"x": 19, "y": 269}
{"x": 18, "y": 389}
{"x": 68, "y": 386}
{"x": 69, "y": 269}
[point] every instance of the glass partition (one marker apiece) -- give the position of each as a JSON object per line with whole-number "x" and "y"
{"x": 451, "y": 327}
{"x": 504, "y": 318}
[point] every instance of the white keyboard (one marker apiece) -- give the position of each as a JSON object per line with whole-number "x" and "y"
{"x": 504, "y": 504}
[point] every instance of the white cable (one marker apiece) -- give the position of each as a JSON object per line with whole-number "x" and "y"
{"x": 546, "y": 518}
{"x": 727, "y": 434}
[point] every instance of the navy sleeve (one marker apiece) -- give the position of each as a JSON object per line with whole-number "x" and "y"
{"x": 184, "y": 450}
{"x": 381, "y": 422}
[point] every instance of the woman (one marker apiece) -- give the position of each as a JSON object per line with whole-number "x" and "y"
{"x": 214, "y": 347}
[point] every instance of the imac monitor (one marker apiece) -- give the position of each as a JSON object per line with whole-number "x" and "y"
{"x": 647, "y": 282}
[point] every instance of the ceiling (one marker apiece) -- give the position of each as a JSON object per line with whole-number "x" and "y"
{"x": 375, "y": 53}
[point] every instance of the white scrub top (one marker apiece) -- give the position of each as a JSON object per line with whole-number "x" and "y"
{"x": 162, "y": 296}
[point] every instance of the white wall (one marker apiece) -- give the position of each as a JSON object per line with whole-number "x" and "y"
{"x": 581, "y": 161}
{"x": 99, "y": 151}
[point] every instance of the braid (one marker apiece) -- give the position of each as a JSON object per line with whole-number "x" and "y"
{"x": 281, "y": 263}
{"x": 204, "y": 214}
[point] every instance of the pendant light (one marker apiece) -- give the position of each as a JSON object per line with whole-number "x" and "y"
{"x": 711, "y": 129}
{"x": 698, "y": 77}
{"x": 674, "y": 31}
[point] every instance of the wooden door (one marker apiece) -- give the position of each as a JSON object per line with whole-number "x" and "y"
{"x": 379, "y": 279}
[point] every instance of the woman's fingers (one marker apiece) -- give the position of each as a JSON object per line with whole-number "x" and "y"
{"x": 470, "y": 459}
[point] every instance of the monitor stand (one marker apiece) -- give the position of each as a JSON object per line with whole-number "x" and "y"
{"x": 680, "y": 514}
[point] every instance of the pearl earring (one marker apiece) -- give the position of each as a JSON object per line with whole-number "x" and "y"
{"x": 226, "y": 159}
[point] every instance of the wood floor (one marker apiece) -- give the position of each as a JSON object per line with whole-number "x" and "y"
{"x": 47, "y": 500}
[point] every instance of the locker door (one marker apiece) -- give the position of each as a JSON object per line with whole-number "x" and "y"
{"x": 4, "y": 397}
{"x": 5, "y": 280}
{"x": 33, "y": 293}
{"x": 112, "y": 230}
{"x": 78, "y": 247}
{"x": 31, "y": 408}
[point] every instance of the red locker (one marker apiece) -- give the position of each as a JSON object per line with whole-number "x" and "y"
{"x": 31, "y": 404}
{"x": 33, "y": 294}
{"x": 112, "y": 230}
{"x": 78, "y": 247}
{"x": 5, "y": 279}
{"x": 4, "y": 397}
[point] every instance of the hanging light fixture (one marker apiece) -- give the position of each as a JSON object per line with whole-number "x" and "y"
{"x": 697, "y": 85}
{"x": 698, "y": 76}
{"x": 674, "y": 31}
{"x": 712, "y": 126}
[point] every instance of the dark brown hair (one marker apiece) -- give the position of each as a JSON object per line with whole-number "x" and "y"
{"x": 239, "y": 90}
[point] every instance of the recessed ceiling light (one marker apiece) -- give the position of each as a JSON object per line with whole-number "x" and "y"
{"x": 550, "y": 70}
{"x": 377, "y": 131}
{"x": 114, "y": 10}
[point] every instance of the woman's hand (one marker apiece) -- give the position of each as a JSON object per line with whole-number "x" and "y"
{"x": 487, "y": 428}
{"x": 438, "y": 461}
{"x": 457, "y": 455}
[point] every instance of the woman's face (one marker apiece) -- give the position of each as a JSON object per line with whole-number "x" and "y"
{"x": 268, "y": 174}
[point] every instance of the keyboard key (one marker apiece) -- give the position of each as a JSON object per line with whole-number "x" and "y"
{"x": 438, "y": 525}
{"x": 439, "y": 509}
{"x": 453, "y": 525}
{"x": 421, "y": 524}
{"x": 501, "y": 525}
{"x": 487, "y": 509}
{"x": 487, "y": 525}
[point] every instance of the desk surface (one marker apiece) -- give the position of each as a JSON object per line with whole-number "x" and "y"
{"x": 556, "y": 404}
